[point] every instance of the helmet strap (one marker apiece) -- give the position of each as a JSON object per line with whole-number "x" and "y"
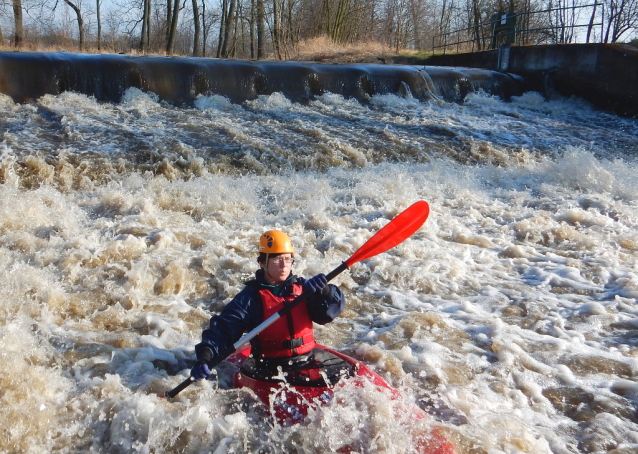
{"x": 266, "y": 264}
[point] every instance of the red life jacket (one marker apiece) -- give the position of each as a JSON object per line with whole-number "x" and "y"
{"x": 292, "y": 334}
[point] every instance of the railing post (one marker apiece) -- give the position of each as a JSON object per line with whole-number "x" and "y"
{"x": 602, "y": 25}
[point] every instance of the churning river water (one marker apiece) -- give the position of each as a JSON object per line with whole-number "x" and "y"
{"x": 510, "y": 315}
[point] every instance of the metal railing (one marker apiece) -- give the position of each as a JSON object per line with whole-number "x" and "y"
{"x": 521, "y": 35}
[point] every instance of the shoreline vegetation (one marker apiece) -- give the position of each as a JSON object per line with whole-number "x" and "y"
{"x": 320, "y": 49}
{"x": 330, "y": 31}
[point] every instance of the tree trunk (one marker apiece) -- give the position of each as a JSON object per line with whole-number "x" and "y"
{"x": 591, "y": 21}
{"x": 414, "y": 15}
{"x": 445, "y": 22}
{"x": 204, "y": 29}
{"x": 78, "y": 14}
{"x": 169, "y": 18}
{"x": 293, "y": 28}
{"x": 252, "y": 33}
{"x": 222, "y": 27}
{"x": 198, "y": 28}
{"x": 275, "y": 29}
{"x": 337, "y": 31}
{"x": 477, "y": 24}
{"x": 99, "y": 25}
{"x": 173, "y": 29}
{"x": 229, "y": 24}
{"x": 17, "y": 15}
{"x": 235, "y": 28}
{"x": 327, "y": 8}
{"x": 261, "y": 30}
{"x": 146, "y": 25}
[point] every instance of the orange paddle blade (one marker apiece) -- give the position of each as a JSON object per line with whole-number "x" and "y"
{"x": 398, "y": 230}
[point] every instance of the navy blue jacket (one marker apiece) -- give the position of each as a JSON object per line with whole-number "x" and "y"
{"x": 245, "y": 312}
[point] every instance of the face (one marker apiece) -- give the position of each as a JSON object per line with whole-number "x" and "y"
{"x": 277, "y": 269}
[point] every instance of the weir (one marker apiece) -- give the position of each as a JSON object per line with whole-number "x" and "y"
{"x": 606, "y": 75}
{"x": 26, "y": 76}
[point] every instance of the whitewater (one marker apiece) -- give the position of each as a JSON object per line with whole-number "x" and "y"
{"x": 510, "y": 316}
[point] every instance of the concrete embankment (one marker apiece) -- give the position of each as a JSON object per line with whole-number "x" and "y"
{"x": 29, "y": 75}
{"x": 604, "y": 74}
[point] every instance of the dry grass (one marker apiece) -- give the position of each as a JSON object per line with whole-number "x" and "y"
{"x": 38, "y": 47}
{"x": 320, "y": 49}
{"x": 323, "y": 49}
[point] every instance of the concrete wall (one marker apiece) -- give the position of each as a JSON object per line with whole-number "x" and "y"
{"x": 604, "y": 74}
{"x": 27, "y": 76}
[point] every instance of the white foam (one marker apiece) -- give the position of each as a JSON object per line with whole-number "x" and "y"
{"x": 214, "y": 102}
{"x": 522, "y": 279}
{"x": 275, "y": 102}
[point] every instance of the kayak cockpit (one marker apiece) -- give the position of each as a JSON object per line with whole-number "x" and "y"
{"x": 319, "y": 368}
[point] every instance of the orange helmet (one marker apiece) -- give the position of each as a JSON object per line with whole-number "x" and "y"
{"x": 275, "y": 242}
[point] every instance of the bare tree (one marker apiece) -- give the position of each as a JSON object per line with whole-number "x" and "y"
{"x": 169, "y": 17}
{"x": 445, "y": 22}
{"x": 592, "y": 19}
{"x": 336, "y": 14}
{"x": 261, "y": 30}
{"x": 396, "y": 24}
{"x": 208, "y": 19}
{"x": 145, "y": 38}
{"x": 222, "y": 26}
{"x": 475, "y": 24}
{"x": 18, "y": 29}
{"x": 173, "y": 28}
{"x": 417, "y": 14}
{"x": 198, "y": 29}
{"x": 99, "y": 24}
{"x": 563, "y": 17}
{"x": 276, "y": 27}
{"x": 622, "y": 16}
{"x": 78, "y": 14}
{"x": 228, "y": 25}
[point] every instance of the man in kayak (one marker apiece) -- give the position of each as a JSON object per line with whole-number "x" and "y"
{"x": 288, "y": 342}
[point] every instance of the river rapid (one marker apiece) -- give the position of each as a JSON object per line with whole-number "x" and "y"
{"x": 510, "y": 315}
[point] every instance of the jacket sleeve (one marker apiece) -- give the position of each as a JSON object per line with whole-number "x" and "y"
{"x": 243, "y": 313}
{"x": 325, "y": 306}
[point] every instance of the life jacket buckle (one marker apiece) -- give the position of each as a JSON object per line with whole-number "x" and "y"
{"x": 293, "y": 343}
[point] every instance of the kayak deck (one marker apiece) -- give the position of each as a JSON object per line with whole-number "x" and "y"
{"x": 290, "y": 402}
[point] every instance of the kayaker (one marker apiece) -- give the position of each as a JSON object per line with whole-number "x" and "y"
{"x": 287, "y": 343}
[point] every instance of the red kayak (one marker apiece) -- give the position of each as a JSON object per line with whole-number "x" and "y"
{"x": 292, "y": 394}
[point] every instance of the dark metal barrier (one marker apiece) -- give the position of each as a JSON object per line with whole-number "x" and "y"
{"x": 510, "y": 28}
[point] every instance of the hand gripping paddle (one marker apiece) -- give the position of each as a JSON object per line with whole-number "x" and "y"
{"x": 398, "y": 230}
